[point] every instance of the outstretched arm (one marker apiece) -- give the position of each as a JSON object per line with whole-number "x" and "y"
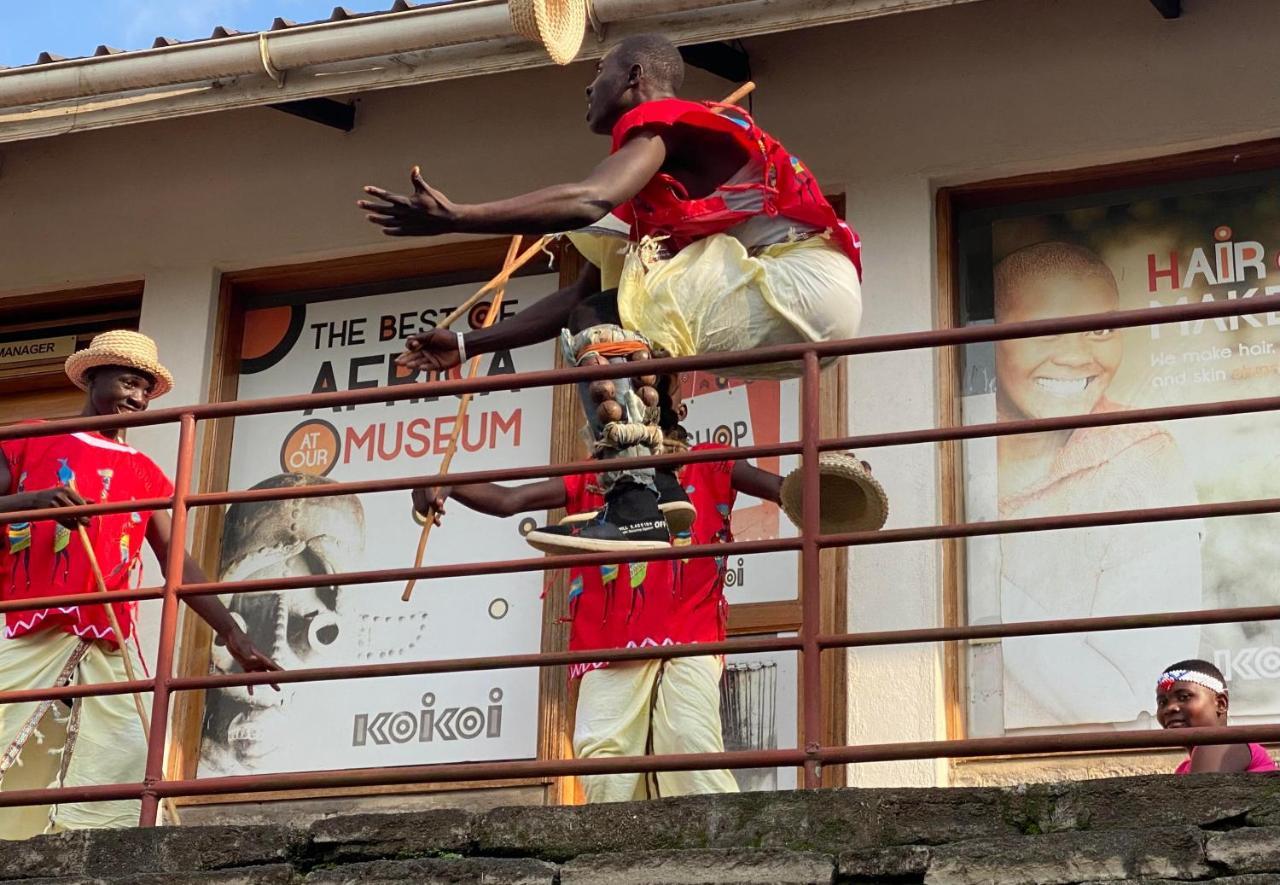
{"x": 491, "y": 498}
{"x": 428, "y": 212}
{"x": 241, "y": 647}
{"x": 437, "y": 350}
{"x": 756, "y": 482}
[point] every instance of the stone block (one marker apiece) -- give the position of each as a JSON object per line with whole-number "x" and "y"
{"x": 53, "y": 856}
{"x": 1246, "y": 850}
{"x": 710, "y": 867}
{"x": 187, "y": 849}
{"x": 270, "y": 874}
{"x": 1065, "y": 858}
{"x": 899, "y": 861}
{"x": 358, "y": 837}
{"x": 1201, "y": 800}
{"x": 440, "y": 871}
{"x": 829, "y": 821}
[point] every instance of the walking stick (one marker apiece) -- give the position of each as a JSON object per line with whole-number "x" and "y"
{"x": 130, "y": 673}
{"x": 498, "y": 283}
{"x": 509, "y": 268}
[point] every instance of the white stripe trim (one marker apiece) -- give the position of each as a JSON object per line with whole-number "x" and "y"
{"x": 79, "y": 629}
{"x": 101, "y": 443}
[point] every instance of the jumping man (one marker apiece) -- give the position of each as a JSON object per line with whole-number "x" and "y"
{"x": 724, "y": 243}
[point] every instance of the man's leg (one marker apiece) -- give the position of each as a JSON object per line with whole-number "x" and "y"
{"x": 613, "y": 720}
{"x": 686, "y": 719}
{"x": 622, "y": 415}
{"x": 110, "y": 747}
{"x": 32, "y": 661}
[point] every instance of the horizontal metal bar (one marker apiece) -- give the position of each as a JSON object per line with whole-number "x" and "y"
{"x": 784, "y": 353}
{"x": 862, "y": 441}
{"x": 1049, "y": 627}
{"x": 480, "y": 771}
{"x": 1047, "y": 523}
{"x": 493, "y": 662}
{"x": 501, "y": 567}
{"x": 502, "y": 474}
{"x": 853, "y": 539}
{"x": 85, "y": 510}
{"x": 67, "y": 692}
{"x": 1078, "y": 742}
{"x": 1215, "y": 409}
{"x": 30, "y": 604}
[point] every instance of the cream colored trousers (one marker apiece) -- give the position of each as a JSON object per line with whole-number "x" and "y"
{"x": 714, "y": 296}
{"x": 110, "y": 747}
{"x": 634, "y": 709}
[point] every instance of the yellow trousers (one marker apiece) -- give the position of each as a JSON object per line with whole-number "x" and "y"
{"x": 657, "y": 707}
{"x": 714, "y": 296}
{"x": 110, "y": 747}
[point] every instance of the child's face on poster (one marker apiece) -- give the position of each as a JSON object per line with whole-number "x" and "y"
{"x": 1056, "y": 375}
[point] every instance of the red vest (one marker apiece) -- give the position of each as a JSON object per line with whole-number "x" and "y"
{"x": 787, "y": 188}
{"x": 662, "y": 602}
{"x": 43, "y": 558}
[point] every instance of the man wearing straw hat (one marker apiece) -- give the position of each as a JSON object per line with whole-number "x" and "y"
{"x": 724, "y": 243}
{"x": 87, "y": 644}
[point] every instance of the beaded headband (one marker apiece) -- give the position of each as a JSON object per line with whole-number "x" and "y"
{"x": 1169, "y": 677}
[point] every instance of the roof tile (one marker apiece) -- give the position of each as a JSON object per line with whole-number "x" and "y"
{"x": 340, "y": 13}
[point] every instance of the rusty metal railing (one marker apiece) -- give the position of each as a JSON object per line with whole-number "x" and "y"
{"x": 810, "y": 643}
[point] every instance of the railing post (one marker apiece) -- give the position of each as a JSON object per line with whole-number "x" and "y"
{"x": 810, "y": 571}
{"x": 174, "y": 562}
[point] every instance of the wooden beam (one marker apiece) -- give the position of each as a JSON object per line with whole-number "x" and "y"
{"x": 722, "y": 59}
{"x": 325, "y": 111}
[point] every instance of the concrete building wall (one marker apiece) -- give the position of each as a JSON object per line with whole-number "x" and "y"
{"x": 887, "y": 110}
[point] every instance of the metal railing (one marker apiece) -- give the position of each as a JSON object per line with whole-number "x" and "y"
{"x": 810, "y": 643}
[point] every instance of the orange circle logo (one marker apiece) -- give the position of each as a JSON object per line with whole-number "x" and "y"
{"x": 311, "y": 448}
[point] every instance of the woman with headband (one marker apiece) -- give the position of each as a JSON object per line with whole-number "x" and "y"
{"x": 1193, "y": 694}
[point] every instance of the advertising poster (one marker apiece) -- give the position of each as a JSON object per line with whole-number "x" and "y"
{"x": 351, "y": 344}
{"x": 748, "y": 413}
{"x": 348, "y": 344}
{"x": 1188, "y": 243}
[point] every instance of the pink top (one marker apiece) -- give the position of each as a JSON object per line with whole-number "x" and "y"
{"x": 1259, "y": 760}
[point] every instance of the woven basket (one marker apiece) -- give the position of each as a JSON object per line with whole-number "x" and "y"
{"x": 852, "y": 500}
{"x": 558, "y": 25}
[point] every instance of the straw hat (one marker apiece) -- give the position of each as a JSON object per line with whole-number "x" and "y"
{"x": 851, "y": 499}
{"x": 120, "y": 348}
{"x": 557, "y": 24}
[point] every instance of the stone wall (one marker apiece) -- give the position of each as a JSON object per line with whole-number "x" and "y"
{"x": 1217, "y": 828}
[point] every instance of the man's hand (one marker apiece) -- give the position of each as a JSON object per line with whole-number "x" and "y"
{"x": 425, "y": 213}
{"x": 59, "y": 497}
{"x": 247, "y": 655}
{"x": 430, "y": 502}
{"x": 434, "y": 351}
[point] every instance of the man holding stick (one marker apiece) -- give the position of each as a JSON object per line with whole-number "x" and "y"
{"x": 729, "y": 245}
{"x": 88, "y": 643}
{"x": 637, "y": 708}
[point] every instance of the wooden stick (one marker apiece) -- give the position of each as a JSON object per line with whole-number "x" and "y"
{"x": 130, "y": 673}
{"x": 115, "y": 625}
{"x": 490, "y": 318}
{"x": 509, "y": 268}
{"x": 740, "y": 93}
